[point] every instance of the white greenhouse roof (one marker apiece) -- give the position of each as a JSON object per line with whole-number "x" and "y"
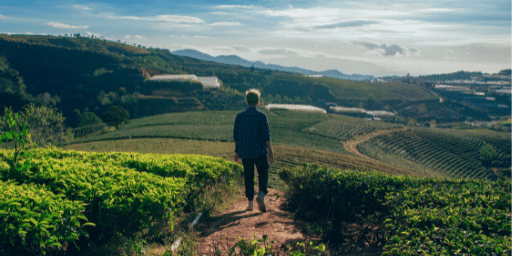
{"x": 206, "y": 81}
{"x": 297, "y": 107}
{"x": 209, "y": 81}
{"x": 173, "y": 77}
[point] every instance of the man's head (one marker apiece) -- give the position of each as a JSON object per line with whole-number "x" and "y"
{"x": 252, "y": 97}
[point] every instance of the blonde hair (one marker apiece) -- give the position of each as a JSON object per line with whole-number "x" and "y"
{"x": 252, "y": 96}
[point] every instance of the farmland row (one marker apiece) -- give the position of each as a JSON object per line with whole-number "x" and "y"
{"x": 421, "y": 216}
{"x": 343, "y": 128}
{"x": 447, "y": 153}
{"x": 107, "y": 193}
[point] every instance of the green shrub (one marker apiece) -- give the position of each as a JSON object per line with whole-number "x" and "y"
{"x": 420, "y": 215}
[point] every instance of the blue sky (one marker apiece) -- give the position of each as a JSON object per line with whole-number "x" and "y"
{"x": 364, "y": 37}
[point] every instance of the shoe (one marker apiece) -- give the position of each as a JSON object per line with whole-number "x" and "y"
{"x": 251, "y": 206}
{"x": 261, "y": 203}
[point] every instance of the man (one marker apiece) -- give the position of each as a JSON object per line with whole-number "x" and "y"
{"x": 252, "y": 144}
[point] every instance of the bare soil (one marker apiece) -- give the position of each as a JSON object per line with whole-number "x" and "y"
{"x": 225, "y": 229}
{"x": 351, "y": 145}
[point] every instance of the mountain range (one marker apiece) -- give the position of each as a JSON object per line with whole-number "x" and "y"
{"x": 236, "y": 60}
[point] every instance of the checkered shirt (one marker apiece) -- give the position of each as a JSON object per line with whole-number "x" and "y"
{"x": 250, "y": 132}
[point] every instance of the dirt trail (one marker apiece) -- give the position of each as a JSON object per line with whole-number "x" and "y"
{"x": 225, "y": 228}
{"x": 351, "y": 145}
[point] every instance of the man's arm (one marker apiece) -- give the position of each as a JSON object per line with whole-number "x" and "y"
{"x": 270, "y": 152}
{"x": 237, "y": 158}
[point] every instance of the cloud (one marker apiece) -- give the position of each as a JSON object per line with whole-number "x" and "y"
{"x": 225, "y": 23}
{"x": 241, "y": 49}
{"x": 87, "y": 33}
{"x": 82, "y": 7}
{"x": 62, "y": 25}
{"x": 385, "y": 49}
{"x": 200, "y": 37}
{"x": 344, "y": 24}
{"x": 3, "y": 17}
{"x": 164, "y": 18}
{"x": 234, "y": 6}
{"x": 135, "y": 36}
{"x": 278, "y": 51}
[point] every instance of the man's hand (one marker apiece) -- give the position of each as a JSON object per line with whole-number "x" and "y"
{"x": 270, "y": 157}
{"x": 237, "y": 158}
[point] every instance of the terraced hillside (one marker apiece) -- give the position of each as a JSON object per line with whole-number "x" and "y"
{"x": 344, "y": 128}
{"x": 454, "y": 153}
{"x": 292, "y": 128}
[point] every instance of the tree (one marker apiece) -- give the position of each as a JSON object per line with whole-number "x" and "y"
{"x": 115, "y": 115}
{"x": 411, "y": 122}
{"x": 87, "y": 118}
{"x": 487, "y": 153}
{"x": 45, "y": 125}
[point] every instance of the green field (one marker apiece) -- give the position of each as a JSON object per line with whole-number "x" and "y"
{"x": 455, "y": 153}
{"x": 291, "y": 128}
{"x": 422, "y": 151}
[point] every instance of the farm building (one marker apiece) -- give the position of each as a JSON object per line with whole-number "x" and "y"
{"x": 209, "y": 81}
{"x": 347, "y": 110}
{"x": 206, "y": 81}
{"x": 379, "y": 113}
{"x": 296, "y": 107}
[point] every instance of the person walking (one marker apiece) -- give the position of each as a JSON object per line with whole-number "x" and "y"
{"x": 252, "y": 144}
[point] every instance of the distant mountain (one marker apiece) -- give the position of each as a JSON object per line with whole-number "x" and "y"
{"x": 236, "y": 60}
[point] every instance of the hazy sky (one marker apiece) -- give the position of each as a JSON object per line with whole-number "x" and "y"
{"x": 365, "y": 37}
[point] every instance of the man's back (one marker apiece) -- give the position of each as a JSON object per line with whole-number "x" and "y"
{"x": 251, "y": 131}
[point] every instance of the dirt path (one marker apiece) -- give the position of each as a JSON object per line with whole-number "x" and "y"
{"x": 351, "y": 145}
{"x": 225, "y": 228}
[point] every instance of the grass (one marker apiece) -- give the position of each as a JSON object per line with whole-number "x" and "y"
{"x": 285, "y": 156}
{"x": 291, "y": 128}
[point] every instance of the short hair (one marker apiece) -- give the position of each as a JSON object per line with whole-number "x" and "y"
{"x": 252, "y": 96}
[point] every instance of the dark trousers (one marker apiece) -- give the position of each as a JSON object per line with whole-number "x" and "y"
{"x": 262, "y": 167}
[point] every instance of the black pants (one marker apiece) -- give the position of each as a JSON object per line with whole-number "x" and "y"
{"x": 262, "y": 167}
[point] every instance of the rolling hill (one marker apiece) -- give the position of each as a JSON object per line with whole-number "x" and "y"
{"x": 77, "y": 73}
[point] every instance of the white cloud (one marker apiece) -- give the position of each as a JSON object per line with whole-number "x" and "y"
{"x": 82, "y": 7}
{"x": 3, "y": 17}
{"x": 234, "y": 6}
{"x": 87, "y": 33}
{"x": 164, "y": 18}
{"x": 62, "y": 25}
{"x": 200, "y": 37}
{"x": 139, "y": 37}
{"x": 241, "y": 49}
{"x": 225, "y": 23}
{"x": 168, "y": 25}
{"x": 278, "y": 51}
{"x": 178, "y": 19}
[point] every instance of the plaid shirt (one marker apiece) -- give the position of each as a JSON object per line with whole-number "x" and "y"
{"x": 250, "y": 133}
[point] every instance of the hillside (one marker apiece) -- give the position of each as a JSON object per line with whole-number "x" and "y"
{"x": 77, "y": 73}
{"x": 320, "y": 139}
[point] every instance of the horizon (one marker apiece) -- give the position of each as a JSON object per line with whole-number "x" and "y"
{"x": 394, "y": 38}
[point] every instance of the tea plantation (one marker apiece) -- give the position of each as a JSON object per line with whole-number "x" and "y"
{"x": 454, "y": 153}
{"x": 422, "y": 216}
{"x": 73, "y": 196}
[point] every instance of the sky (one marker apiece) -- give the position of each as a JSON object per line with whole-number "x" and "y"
{"x": 381, "y": 37}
